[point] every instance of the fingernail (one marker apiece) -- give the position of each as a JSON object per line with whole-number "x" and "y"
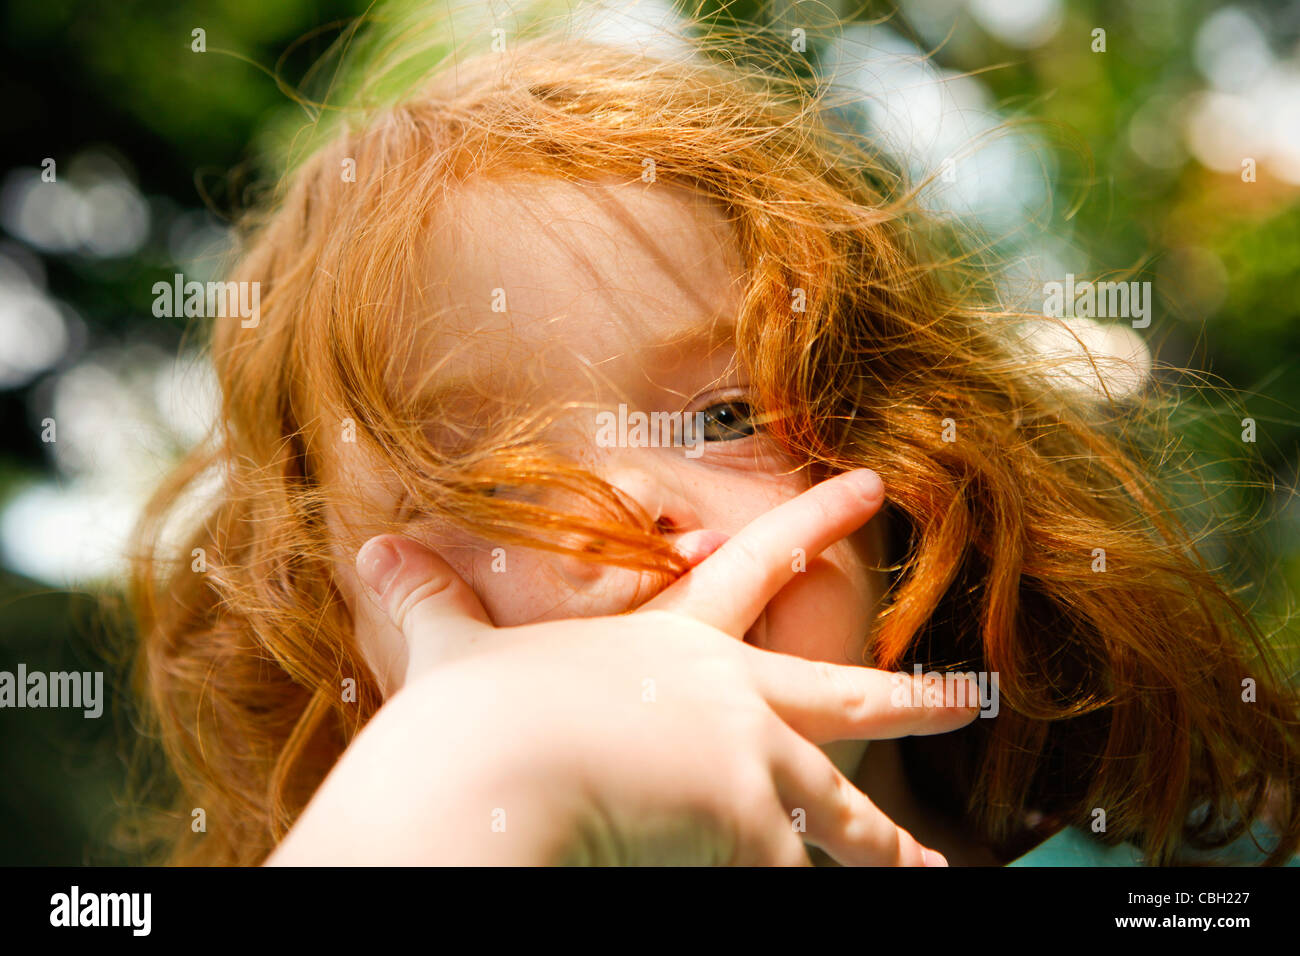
{"x": 934, "y": 858}
{"x": 377, "y": 564}
{"x": 868, "y": 484}
{"x": 695, "y": 546}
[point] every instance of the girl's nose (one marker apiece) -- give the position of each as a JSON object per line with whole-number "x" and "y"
{"x": 660, "y": 498}
{"x": 657, "y": 495}
{"x": 672, "y": 511}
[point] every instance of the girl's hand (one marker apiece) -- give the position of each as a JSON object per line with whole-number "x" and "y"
{"x": 657, "y": 736}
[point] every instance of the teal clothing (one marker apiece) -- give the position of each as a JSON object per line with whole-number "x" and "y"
{"x": 1074, "y": 847}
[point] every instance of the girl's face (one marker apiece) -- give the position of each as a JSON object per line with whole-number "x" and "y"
{"x": 579, "y": 298}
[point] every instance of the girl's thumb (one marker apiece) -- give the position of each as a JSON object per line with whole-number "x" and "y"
{"x": 436, "y": 611}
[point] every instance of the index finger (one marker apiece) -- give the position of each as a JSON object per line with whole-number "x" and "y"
{"x": 730, "y": 588}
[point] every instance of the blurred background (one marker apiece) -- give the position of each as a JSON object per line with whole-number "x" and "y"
{"x": 126, "y": 152}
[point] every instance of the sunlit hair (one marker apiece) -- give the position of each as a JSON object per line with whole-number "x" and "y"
{"x": 1120, "y": 690}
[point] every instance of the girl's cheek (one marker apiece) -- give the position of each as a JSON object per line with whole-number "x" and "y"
{"x": 523, "y": 586}
{"x": 824, "y": 613}
{"x": 505, "y": 584}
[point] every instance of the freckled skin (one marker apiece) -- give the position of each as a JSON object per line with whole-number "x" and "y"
{"x": 596, "y": 278}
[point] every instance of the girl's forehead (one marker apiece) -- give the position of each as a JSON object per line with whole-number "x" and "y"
{"x": 527, "y": 271}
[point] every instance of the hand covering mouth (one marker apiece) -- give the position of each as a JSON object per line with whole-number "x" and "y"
{"x": 695, "y": 546}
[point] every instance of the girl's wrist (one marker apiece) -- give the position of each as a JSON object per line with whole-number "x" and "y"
{"x": 472, "y": 796}
{"x": 506, "y": 801}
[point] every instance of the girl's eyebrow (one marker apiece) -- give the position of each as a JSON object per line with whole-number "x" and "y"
{"x": 709, "y": 335}
{"x": 712, "y": 333}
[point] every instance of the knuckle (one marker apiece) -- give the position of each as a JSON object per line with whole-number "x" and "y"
{"x": 755, "y": 802}
{"x": 789, "y": 851}
{"x": 783, "y": 854}
{"x": 890, "y": 844}
{"x": 747, "y": 560}
{"x": 405, "y": 605}
{"x": 726, "y": 674}
{"x": 665, "y": 626}
{"x": 844, "y": 689}
{"x": 750, "y": 726}
{"x": 847, "y": 807}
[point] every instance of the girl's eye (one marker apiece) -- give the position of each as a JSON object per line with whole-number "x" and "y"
{"x": 729, "y": 421}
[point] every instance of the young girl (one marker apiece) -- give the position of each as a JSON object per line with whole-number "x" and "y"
{"x": 572, "y": 637}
